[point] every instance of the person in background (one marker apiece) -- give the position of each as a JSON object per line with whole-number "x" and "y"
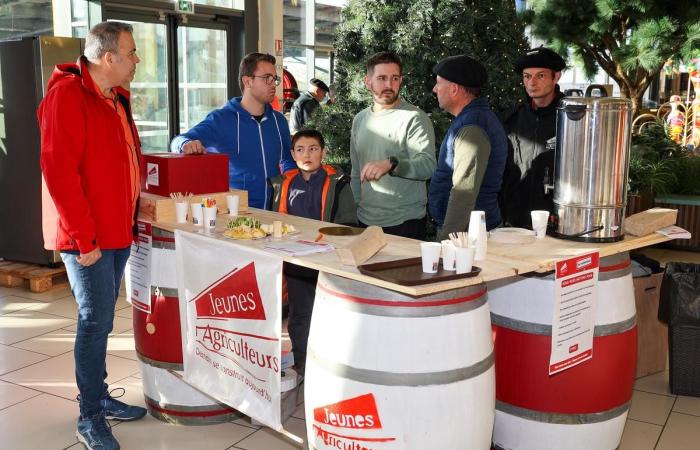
{"x": 90, "y": 153}
{"x": 306, "y": 104}
{"x": 254, "y": 136}
{"x": 392, "y": 152}
{"x": 473, "y": 152}
{"x": 531, "y": 129}
{"x": 315, "y": 191}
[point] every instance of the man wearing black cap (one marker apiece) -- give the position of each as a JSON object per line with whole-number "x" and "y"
{"x": 531, "y": 129}
{"x": 473, "y": 152}
{"x": 306, "y": 104}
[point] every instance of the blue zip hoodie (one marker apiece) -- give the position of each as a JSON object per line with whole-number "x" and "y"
{"x": 255, "y": 149}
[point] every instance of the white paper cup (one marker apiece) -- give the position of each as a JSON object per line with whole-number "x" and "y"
{"x": 464, "y": 258}
{"x": 232, "y": 202}
{"x": 277, "y": 229}
{"x": 430, "y": 255}
{"x": 448, "y": 255}
{"x": 181, "y": 212}
{"x": 539, "y": 222}
{"x": 210, "y": 217}
{"x": 197, "y": 214}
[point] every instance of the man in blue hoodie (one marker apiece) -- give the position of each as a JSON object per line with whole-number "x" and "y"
{"x": 254, "y": 136}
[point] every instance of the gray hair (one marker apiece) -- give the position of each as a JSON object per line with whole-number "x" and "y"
{"x": 104, "y": 37}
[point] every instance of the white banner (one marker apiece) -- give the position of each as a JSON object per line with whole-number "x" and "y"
{"x": 230, "y": 312}
{"x": 575, "y": 297}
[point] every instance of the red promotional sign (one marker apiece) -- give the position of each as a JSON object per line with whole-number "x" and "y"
{"x": 358, "y": 412}
{"x": 235, "y": 296}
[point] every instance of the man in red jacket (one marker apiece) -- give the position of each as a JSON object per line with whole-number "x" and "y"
{"x": 90, "y": 156}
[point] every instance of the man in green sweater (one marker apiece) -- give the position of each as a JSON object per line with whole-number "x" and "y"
{"x": 392, "y": 151}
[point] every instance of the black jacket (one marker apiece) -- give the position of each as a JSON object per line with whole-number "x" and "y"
{"x": 530, "y": 163}
{"x": 301, "y": 111}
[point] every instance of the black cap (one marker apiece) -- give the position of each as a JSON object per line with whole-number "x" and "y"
{"x": 319, "y": 84}
{"x": 462, "y": 69}
{"x": 540, "y": 57}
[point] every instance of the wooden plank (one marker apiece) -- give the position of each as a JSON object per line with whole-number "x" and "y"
{"x": 40, "y": 278}
{"x": 546, "y": 252}
{"x": 362, "y": 247}
{"x": 8, "y": 280}
{"x": 648, "y": 221}
{"x": 495, "y": 267}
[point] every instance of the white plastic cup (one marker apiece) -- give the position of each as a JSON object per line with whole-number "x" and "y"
{"x": 464, "y": 258}
{"x": 430, "y": 256}
{"x": 539, "y": 222}
{"x": 448, "y": 255}
{"x": 232, "y": 202}
{"x": 197, "y": 214}
{"x": 181, "y": 212}
{"x": 210, "y": 217}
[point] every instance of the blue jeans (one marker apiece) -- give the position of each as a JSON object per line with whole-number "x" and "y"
{"x": 95, "y": 289}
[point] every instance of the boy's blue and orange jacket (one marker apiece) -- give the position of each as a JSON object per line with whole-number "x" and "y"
{"x": 338, "y": 204}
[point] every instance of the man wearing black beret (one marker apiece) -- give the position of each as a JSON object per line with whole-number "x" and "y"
{"x": 531, "y": 129}
{"x": 306, "y": 104}
{"x": 473, "y": 153}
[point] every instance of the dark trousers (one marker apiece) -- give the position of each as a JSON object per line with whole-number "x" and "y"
{"x": 301, "y": 291}
{"x": 414, "y": 229}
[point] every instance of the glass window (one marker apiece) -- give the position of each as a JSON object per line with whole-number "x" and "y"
{"x": 22, "y": 18}
{"x": 235, "y": 4}
{"x": 149, "y": 90}
{"x": 327, "y": 17}
{"x": 79, "y": 18}
{"x": 322, "y": 68}
{"x": 295, "y": 63}
{"x": 202, "y": 73}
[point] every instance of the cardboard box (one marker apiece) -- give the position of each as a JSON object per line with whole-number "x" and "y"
{"x": 652, "y": 334}
{"x": 156, "y": 208}
{"x": 165, "y": 173}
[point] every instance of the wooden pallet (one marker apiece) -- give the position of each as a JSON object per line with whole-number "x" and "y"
{"x": 41, "y": 278}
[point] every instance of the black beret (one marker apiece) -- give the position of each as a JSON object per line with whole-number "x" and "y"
{"x": 540, "y": 57}
{"x": 319, "y": 84}
{"x": 462, "y": 69}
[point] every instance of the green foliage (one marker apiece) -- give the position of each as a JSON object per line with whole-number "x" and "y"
{"x": 629, "y": 39}
{"x": 689, "y": 176}
{"x": 421, "y": 32}
{"x": 655, "y": 162}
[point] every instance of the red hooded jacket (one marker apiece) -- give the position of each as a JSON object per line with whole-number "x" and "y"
{"x": 85, "y": 164}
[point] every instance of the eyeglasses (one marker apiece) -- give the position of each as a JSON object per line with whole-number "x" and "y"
{"x": 269, "y": 79}
{"x": 301, "y": 150}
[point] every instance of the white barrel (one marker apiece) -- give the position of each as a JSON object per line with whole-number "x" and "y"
{"x": 389, "y": 371}
{"x": 170, "y": 399}
{"x": 584, "y": 407}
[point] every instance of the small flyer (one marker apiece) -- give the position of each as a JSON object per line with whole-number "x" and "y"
{"x": 575, "y": 297}
{"x": 138, "y": 272}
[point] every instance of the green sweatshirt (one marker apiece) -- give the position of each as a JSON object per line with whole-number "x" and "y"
{"x": 406, "y": 133}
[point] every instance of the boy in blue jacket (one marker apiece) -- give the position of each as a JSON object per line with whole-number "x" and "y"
{"x": 254, "y": 136}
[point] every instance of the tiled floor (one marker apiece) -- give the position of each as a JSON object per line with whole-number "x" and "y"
{"x": 37, "y": 389}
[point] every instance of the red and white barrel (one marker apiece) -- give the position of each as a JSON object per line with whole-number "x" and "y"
{"x": 584, "y": 407}
{"x": 389, "y": 371}
{"x": 158, "y": 343}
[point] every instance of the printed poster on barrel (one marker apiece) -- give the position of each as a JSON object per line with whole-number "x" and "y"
{"x": 230, "y": 309}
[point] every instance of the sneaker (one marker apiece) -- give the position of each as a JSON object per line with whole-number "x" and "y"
{"x": 116, "y": 410}
{"x": 96, "y": 433}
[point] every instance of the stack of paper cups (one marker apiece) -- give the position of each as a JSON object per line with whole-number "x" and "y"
{"x": 477, "y": 234}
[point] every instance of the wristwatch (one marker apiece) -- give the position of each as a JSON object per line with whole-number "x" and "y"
{"x": 394, "y": 162}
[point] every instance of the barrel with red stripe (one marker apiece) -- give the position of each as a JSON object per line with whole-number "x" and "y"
{"x": 158, "y": 343}
{"x": 389, "y": 371}
{"x": 584, "y": 407}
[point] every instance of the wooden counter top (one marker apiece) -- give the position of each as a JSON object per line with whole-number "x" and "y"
{"x": 503, "y": 260}
{"x": 545, "y": 252}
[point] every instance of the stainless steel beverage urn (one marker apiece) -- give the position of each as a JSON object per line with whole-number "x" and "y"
{"x": 591, "y": 165}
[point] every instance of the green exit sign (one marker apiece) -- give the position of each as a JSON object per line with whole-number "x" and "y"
{"x": 185, "y": 6}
